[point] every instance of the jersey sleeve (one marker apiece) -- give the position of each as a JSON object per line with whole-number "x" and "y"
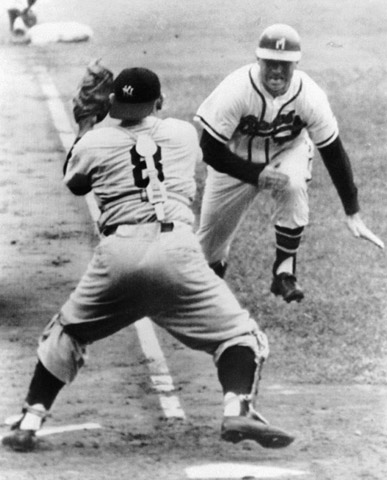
{"x": 221, "y": 111}
{"x": 78, "y": 166}
{"x": 321, "y": 122}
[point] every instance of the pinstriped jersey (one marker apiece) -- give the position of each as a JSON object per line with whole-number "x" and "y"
{"x": 105, "y": 161}
{"x": 255, "y": 126}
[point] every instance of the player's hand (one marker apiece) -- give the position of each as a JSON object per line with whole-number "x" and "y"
{"x": 358, "y": 228}
{"x": 271, "y": 178}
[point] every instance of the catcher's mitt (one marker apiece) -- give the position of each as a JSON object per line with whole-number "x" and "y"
{"x": 92, "y": 96}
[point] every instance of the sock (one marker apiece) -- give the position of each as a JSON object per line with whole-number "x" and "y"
{"x": 236, "y": 372}
{"x": 236, "y": 369}
{"x": 33, "y": 418}
{"x": 287, "y": 265}
{"x": 44, "y": 387}
{"x": 287, "y": 243}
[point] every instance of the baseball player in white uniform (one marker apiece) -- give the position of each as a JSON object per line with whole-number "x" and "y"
{"x": 148, "y": 263}
{"x": 260, "y": 126}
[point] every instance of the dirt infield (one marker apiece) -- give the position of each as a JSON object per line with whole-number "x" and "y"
{"x": 46, "y": 241}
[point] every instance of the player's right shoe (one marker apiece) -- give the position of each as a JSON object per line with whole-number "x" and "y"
{"x": 236, "y": 429}
{"x": 285, "y": 284}
{"x": 250, "y": 425}
{"x": 22, "y": 437}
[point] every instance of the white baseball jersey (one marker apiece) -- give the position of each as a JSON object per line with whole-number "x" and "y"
{"x": 119, "y": 178}
{"x": 255, "y": 126}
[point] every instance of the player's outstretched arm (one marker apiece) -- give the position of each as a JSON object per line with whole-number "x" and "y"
{"x": 337, "y": 162}
{"x": 339, "y": 167}
{"x": 359, "y": 230}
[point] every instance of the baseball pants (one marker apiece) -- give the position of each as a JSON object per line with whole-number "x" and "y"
{"x": 226, "y": 201}
{"x": 140, "y": 271}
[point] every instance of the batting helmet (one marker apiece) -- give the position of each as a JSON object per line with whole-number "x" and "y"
{"x": 279, "y": 42}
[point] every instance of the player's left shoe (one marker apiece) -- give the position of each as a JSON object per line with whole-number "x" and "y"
{"x": 22, "y": 437}
{"x": 250, "y": 425}
{"x": 285, "y": 285}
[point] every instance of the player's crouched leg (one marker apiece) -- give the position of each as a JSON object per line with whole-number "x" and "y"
{"x": 62, "y": 354}
{"x": 239, "y": 364}
{"x": 60, "y": 358}
{"x": 22, "y": 437}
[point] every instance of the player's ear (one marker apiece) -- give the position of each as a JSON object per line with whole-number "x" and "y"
{"x": 159, "y": 102}
{"x": 111, "y": 98}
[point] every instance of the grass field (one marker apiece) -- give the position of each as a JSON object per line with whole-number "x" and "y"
{"x": 338, "y": 334}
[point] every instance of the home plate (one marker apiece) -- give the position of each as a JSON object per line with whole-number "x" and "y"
{"x": 220, "y": 471}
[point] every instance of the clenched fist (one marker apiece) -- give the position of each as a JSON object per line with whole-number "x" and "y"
{"x": 272, "y": 179}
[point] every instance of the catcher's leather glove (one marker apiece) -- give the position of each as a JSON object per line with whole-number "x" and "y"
{"x": 92, "y": 96}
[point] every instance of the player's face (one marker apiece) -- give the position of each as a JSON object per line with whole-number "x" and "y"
{"x": 276, "y": 75}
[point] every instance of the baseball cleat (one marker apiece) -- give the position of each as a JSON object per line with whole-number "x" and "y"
{"x": 238, "y": 428}
{"x": 20, "y": 440}
{"x": 251, "y": 425}
{"x": 22, "y": 437}
{"x": 285, "y": 284}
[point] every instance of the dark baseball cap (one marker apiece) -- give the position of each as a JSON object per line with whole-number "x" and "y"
{"x": 135, "y": 92}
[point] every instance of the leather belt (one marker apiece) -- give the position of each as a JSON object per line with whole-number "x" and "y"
{"x": 111, "y": 229}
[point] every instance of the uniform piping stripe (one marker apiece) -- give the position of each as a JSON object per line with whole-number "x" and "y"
{"x": 327, "y": 141}
{"x": 278, "y": 232}
{"x": 160, "y": 377}
{"x": 292, "y": 99}
{"x": 287, "y": 250}
{"x": 255, "y": 87}
{"x": 222, "y": 138}
{"x": 250, "y": 149}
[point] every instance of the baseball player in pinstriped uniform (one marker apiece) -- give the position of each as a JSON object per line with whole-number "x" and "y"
{"x": 148, "y": 263}
{"x": 259, "y": 128}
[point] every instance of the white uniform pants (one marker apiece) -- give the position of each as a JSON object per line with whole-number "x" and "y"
{"x": 226, "y": 201}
